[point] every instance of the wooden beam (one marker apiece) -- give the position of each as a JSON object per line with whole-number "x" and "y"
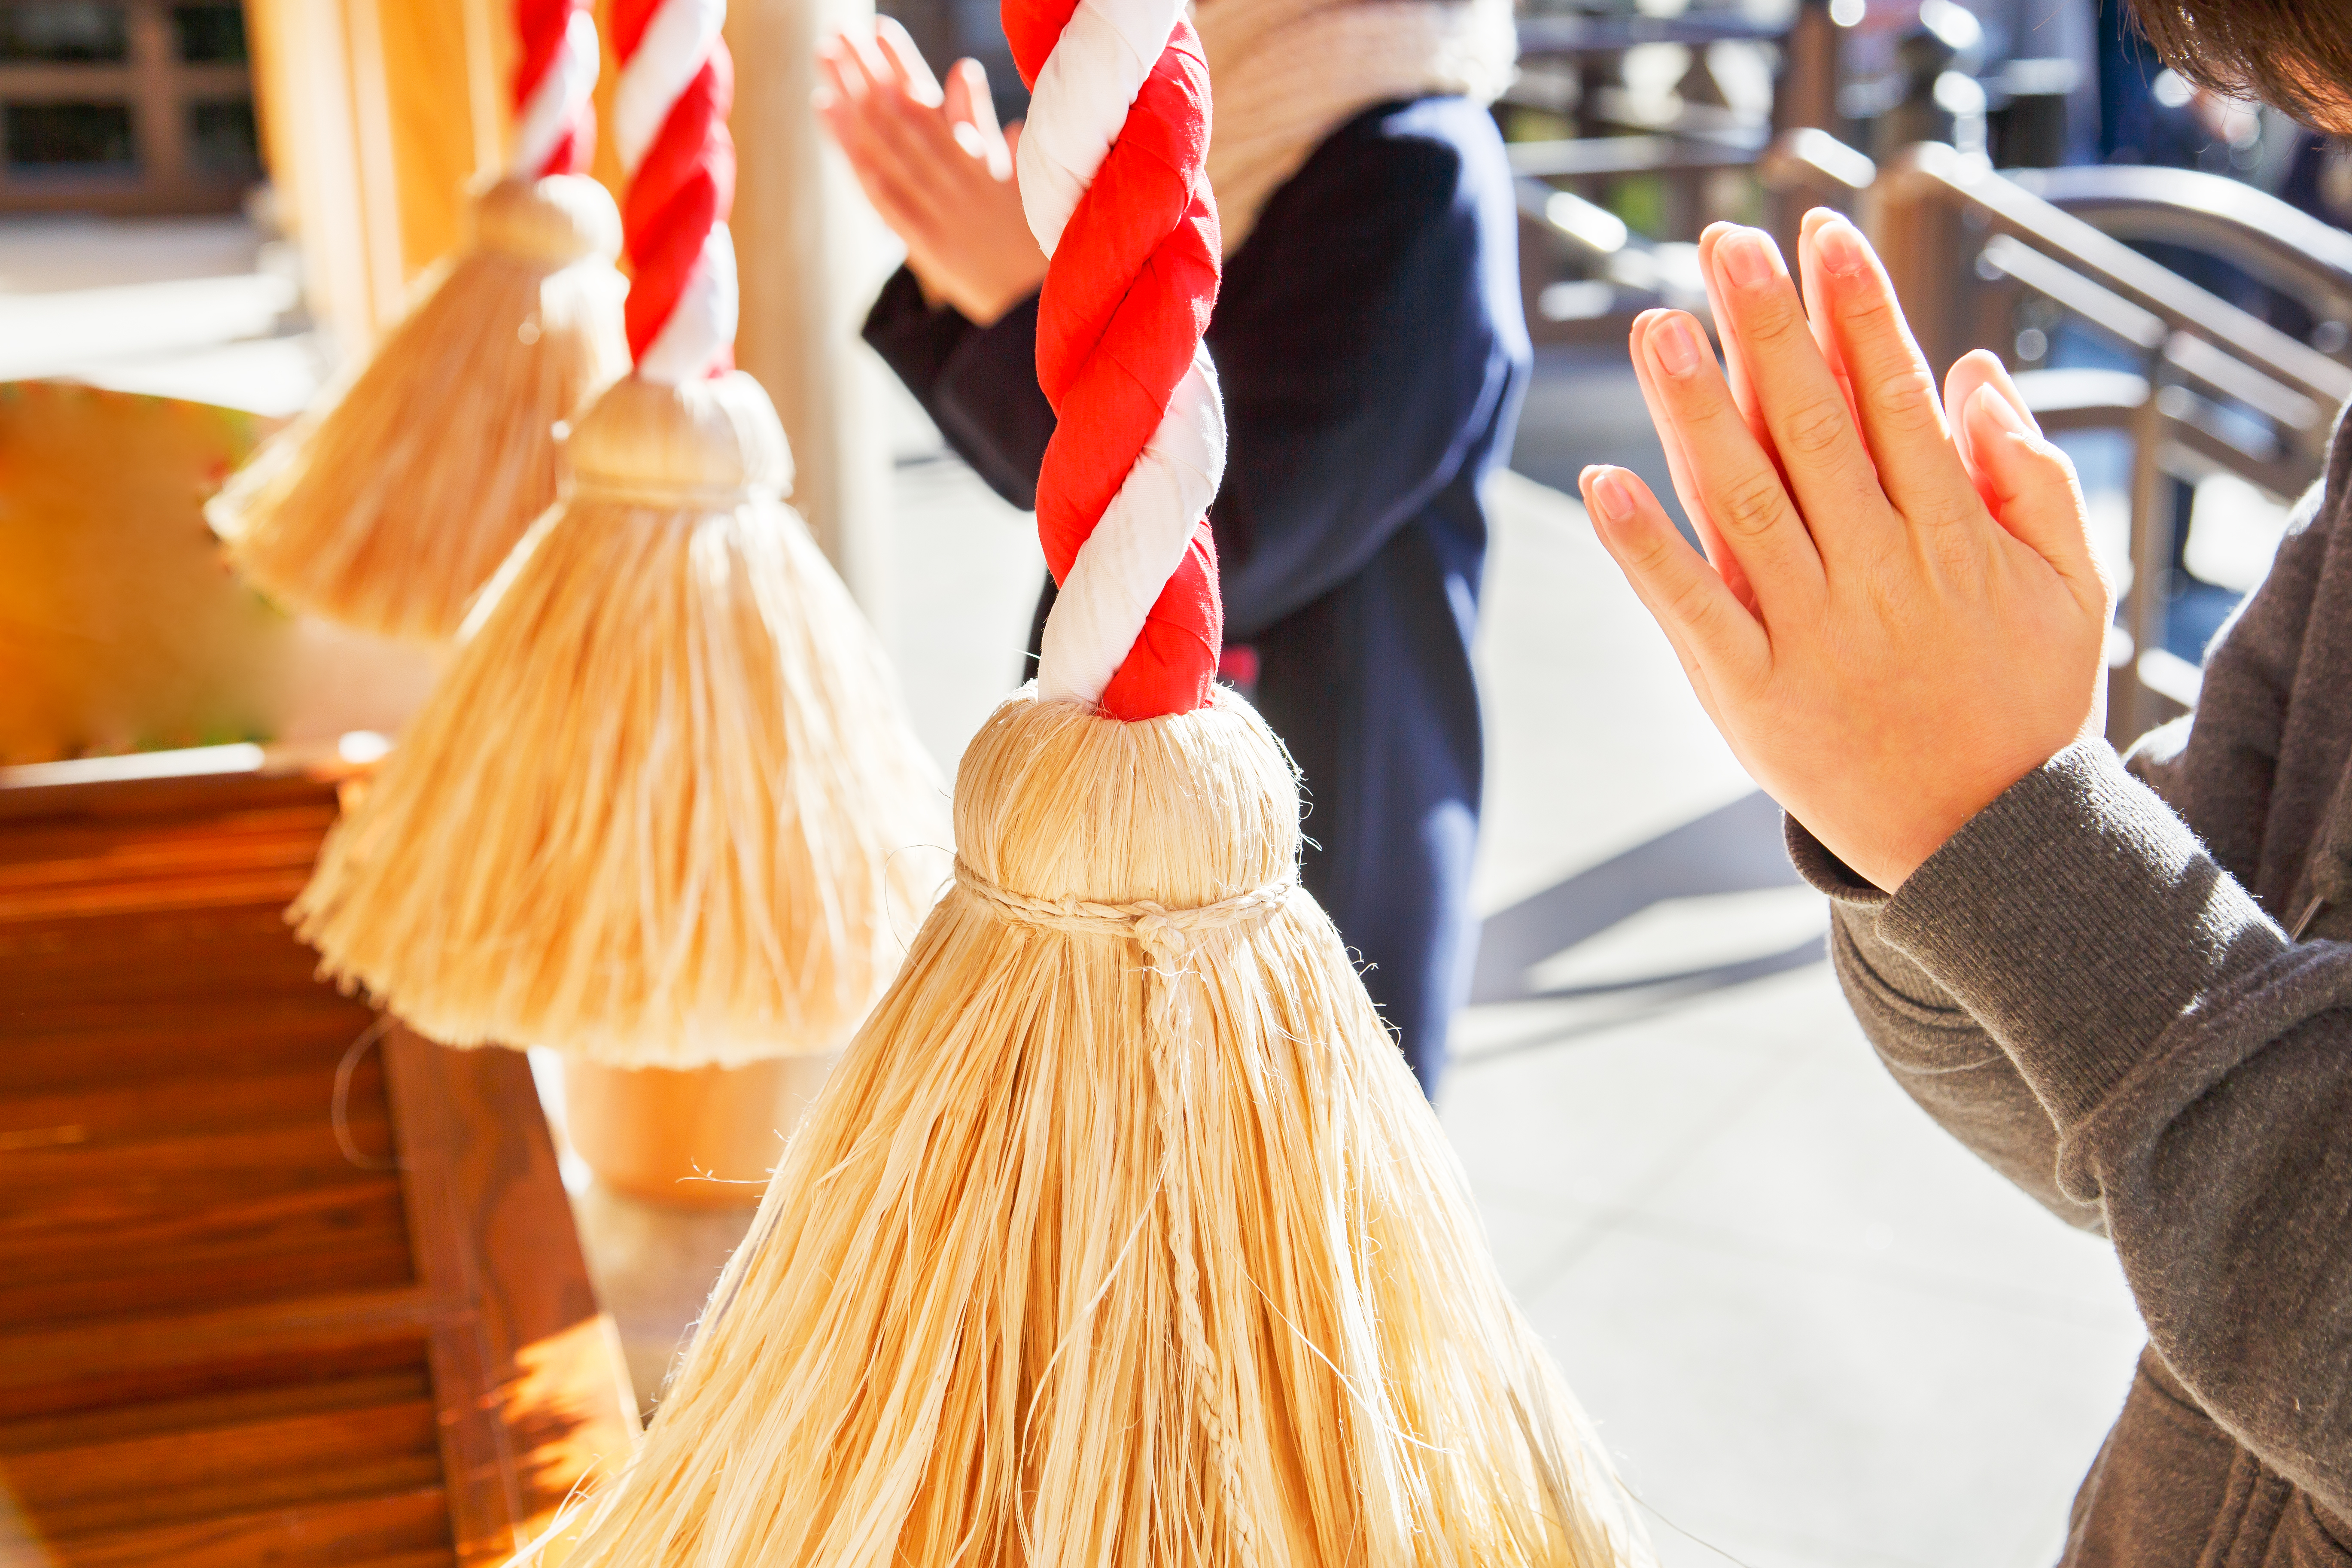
{"x": 376, "y": 116}
{"x": 534, "y": 1395}
{"x": 310, "y": 1297}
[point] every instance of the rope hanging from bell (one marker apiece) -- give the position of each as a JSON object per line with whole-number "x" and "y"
{"x": 388, "y": 505}
{"x": 1121, "y": 1235}
{"x": 665, "y": 803}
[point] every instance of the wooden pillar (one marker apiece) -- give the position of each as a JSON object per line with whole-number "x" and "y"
{"x": 811, "y": 253}
{"x": 301, "y": 70}
{"x": 445, "y": 114}
{"x": 375, "y": 116}
{"x": 162, "y": 124}
{"x": 1804, "y": 96}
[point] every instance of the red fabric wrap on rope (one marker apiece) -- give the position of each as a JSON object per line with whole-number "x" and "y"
{"x": 1126, "y": 298}
{"x": 683, "y": 189}
{"x": 540, "y": 27}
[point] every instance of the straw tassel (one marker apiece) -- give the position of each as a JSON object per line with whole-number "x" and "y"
{"x": 665, "y": 805}
{"x": 1121, "y": 1237}
{"x": 955, "y": 1334}
{"x": 388, "y": 505}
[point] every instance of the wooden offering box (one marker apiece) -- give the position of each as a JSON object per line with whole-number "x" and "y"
{"x": 277, "y": 1285}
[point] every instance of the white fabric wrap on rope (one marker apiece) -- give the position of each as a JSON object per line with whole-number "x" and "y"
{"x": 676, "y": 43}
{"x": 1080, "y": 103}
{"x": 700, "y": 329}
{"x": 557, "y": 99}
{"x": 1081, "y": 100}
{"x": 1138, "y": 544}
{"x": 704, "y": 323}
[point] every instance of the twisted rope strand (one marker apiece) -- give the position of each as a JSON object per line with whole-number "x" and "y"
{"x": 669, "y": 123}
{"x": 1114, "y": 184}
{"x": 554, "y": 111}
{"x": 1113, "y": 180}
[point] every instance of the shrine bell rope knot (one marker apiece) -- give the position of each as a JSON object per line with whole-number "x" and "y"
{"x": 1165, "y": 933}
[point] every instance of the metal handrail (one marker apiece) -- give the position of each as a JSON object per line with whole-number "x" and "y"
{"x": 1813, "y": 160}
{"x": 2280, "y": 244}
{"x": 1601, "y": 157}
{"x": 1942, "y": 221}
{"x": 1810, "y": 161}
{"x": 1931, "y": 171}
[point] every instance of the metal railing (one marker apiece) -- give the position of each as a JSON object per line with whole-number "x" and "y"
{"x": 1566, "y": 185}
{"x": 2215, "y": 389}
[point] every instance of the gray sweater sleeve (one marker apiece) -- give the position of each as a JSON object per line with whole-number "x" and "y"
{"x": 2083, "y": 989}
{"x": 2216, "y": 774}
{"x": 2197, "y": 1069}
{"x": 2217, "y": 767}
{"x": 1932, "y": 1046}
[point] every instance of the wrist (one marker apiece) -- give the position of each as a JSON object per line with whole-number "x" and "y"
{"x": 1915, "y": 841}
{"x": 982, "y": 302}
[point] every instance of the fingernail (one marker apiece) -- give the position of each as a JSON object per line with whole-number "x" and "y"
{"x": 1744, "y": 257}
{"x": 2002, "y": 412}
{"x": 1610, "y": 494}
{"x": 1675, "y": 345}
{"x": 1841, "y": 247}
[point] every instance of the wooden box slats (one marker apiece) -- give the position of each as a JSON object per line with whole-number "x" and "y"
{"x": 235, "y": 1328}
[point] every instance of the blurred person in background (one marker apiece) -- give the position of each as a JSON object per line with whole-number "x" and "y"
{"x": 1368, "y": 341}
{"x": 2125, "y": 983}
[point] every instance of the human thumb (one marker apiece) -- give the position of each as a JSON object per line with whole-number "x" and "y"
{"x": 2029, "y": 483}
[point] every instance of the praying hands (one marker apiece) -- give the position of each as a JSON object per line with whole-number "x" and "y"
{"x": 1897, "y": 617}
{"x": 934, "y": 164}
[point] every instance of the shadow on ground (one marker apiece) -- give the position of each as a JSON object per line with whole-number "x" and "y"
{"x": 1735, "y": 849}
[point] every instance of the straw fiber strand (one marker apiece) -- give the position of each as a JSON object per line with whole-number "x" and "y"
{"x": 665, "y": 806}
{"x": 388, "y": 506}
{"x": 1127, "y": 1077}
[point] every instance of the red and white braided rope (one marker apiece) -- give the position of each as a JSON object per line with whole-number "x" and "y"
{"x": 1113, "y": 181}
{"x": 555, "y": 80}
{"x": 669, "y": 124}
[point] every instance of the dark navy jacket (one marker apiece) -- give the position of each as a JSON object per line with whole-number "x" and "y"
{"x": 1371, "y": 351}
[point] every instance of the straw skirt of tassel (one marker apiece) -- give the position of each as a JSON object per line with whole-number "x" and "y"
{"x": 1121, "y": 1235}
{"x": 665, "y": 808}
{"x": 389, "y": 505}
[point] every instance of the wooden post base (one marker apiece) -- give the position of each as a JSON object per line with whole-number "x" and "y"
{"x": 700, "y": 1139}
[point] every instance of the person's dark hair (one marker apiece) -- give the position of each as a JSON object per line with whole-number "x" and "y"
{"x": 2293, "y": 54}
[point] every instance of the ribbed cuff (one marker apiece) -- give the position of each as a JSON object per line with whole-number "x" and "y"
{"x": 1855, "y": 905}
{"x": 2076, "y": 918}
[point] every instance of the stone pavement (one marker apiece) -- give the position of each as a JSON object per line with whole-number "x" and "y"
{"x": 1815, "y": 1334}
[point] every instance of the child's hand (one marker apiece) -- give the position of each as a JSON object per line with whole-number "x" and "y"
{"x": 1891, "y": 633}
{"x": 934, "y": 164}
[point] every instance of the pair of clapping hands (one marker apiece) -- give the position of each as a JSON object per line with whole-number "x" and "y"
{"x": 1898, "y": 615}
{"x": 934, "y": 163}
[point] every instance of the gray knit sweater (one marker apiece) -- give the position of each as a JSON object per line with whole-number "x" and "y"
{"x": 2093, "y": 984}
